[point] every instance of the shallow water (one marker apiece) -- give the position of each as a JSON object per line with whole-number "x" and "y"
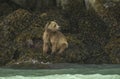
{"x": 69, "y": 71}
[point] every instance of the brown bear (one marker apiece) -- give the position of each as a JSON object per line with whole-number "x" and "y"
{"x": 53, "y": 39}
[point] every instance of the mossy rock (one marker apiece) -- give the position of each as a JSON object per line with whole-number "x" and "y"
{"x": 10, "y": 27}
{"x": 21, "y": 33}
{"x": 76, "y": 51}
{"x": 113, "y": 50}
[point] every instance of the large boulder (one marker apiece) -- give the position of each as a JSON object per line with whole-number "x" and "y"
{"x": 10, "y": 28}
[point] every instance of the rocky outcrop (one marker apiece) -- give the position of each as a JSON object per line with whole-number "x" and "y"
{"x": 21, "y": 34}
{"x": 93, "y": 35}
{"x": 108, "y": 12}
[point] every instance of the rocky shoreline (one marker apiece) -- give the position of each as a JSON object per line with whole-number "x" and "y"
{"x": 93, "y": 36}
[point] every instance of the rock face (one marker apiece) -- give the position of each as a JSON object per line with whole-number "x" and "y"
{"x": 93, "y": 35}
{"x": 107, "y": 10}
{"x": 62, "y": 3}
{"x": 39, "y": 4}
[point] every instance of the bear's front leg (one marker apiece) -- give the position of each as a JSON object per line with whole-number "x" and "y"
{"x": 45, "y": 48}
{"x": 53, "y": 49}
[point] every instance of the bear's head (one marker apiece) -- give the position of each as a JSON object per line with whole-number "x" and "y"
{"x": 53, "y": 26}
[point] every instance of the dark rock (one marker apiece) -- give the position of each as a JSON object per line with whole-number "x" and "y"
{"x": 5, "y": 9}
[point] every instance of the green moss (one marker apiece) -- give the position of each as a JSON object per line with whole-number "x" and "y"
{"x": 113, "y": 49}
{"x": 22, "y": 33}
{"x": 72, "y": 38}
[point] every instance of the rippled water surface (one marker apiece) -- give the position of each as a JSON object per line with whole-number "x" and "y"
{"x": 64, "y": 71}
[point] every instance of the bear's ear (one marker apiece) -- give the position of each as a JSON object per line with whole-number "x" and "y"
{"x": 46, "y": 26}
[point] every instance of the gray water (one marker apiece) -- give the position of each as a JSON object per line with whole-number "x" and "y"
{"x": 64, "y": 71}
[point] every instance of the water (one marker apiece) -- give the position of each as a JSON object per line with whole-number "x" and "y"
{"x": 64, "y": 71}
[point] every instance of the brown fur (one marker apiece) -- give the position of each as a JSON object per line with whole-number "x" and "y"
{"x": 52, "y": 36}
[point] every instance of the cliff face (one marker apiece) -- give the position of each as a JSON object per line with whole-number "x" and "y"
{"x": 93, "y": 34}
